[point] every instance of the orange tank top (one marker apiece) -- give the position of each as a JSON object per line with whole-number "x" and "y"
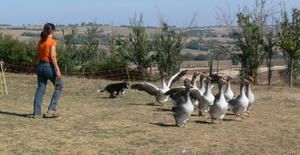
{"x": 44, "y": 49}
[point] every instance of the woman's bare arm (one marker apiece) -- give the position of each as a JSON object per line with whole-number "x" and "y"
{"x": 54, "y": 61}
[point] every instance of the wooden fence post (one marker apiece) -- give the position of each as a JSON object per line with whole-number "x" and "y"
{"x": 3, "y": 77}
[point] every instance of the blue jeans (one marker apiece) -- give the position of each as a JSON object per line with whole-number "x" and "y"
{"x": 45, "y": 72}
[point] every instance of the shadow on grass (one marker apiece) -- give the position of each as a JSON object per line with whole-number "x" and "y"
{"x": 15, "y": 114}
{"x": 143, "y": 104}
{"x": 163, "y": 109}
{"x": 230, "y": 114}
{"x": 229, "y": 119}
{"x": 203, "y": 122}
{"x": 137, "y": 104}
{"x": 197, "y": 115}
{"x": 153, "y": 104}
{"x": 107, "y": 97}
{"x": 164, "y": 125}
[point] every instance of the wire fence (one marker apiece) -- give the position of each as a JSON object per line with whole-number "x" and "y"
{"x": 117, "y": 74}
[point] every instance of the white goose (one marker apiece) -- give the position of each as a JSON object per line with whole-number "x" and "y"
{"x": 194, "y": 83}
{"x": 240, "y": 104}
{"x": 202, "y": 84}
{"x": 184, "y": 107}
{"x": 159, "y": 92}
{"x": 207, "y": 99}
{"x": 250, "y": 94}
{"x": 219, "y": 108}
{"x": 178, "y": 93}
{"x": 228, "y": 93}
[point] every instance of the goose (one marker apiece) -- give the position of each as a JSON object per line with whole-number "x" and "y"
{"x": 207, "y": 98}
{"x": 239, "y": 104}
{"x": 250, "y": 94}
{"x": 153, "y": 90}
{"x": 178, "y": 94}
{"x": 194, "y": 84}
{"x": 184, "y": 107}
{"x": 194, "y": 80}
{"x": 202, "y": 84}
{"x": 219, "y": 108}
{"x": 228, "y": 93}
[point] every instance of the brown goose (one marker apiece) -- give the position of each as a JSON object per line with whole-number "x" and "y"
{"x": 194, "y": 83}
{"x": 177, "y": 94}
{"x": 250, "y": 94}
{"x": 240, "y": 104}
{"x": 184, "y": 107}
{"x": 207, "y": 99}
{"x": 228, "y": 93}
{"x": 159, "y": 92}
{"x": 202, "y": 84}
{"x": 219, "y": 108}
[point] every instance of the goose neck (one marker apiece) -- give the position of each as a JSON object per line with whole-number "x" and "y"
{"x": 243, "y": 90}
{"x": 187, "y": 93}
{"x": 228, "y": 87}
{"x": 207, "y": 88}
{"x": 201, "y": 83}
{"x": 249, "y": 87}
{"x": 164, "y": 85}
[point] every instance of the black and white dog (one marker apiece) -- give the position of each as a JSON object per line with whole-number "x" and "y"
{"x": 116, "y": 88}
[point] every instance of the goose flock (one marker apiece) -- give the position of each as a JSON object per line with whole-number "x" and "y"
{"x": 188, "y": 98}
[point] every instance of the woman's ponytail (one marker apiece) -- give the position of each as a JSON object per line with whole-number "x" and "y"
{"x": 47, "y": 30}
{"x": 43, "y": 36}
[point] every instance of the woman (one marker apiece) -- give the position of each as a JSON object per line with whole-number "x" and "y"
{"x": 47, "y": 69}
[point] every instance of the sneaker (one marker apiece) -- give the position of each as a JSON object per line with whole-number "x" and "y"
{"x": 35, "y": 116}
{"x": 51, "y": 114}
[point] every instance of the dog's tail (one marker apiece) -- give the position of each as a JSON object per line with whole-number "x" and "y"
{"x": 103, "y": 90}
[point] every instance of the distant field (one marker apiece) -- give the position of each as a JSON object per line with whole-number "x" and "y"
{"x": 91, "y": 123}
{"x": 223, "y": 63}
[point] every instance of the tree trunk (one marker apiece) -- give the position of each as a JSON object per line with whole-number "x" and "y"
{"x": 150, "y": 73}
{"x": 291, "y": 72}
{"x": 210, "y": 66}
{"x": 218, "y": 64}
{"x": 254, "y": 74}
{"x": 269, "y": 63}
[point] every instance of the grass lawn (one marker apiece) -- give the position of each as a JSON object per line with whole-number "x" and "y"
{"x": 91, "y": 123}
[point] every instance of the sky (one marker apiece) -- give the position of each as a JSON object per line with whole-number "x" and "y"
{"x": 118, "y": 12}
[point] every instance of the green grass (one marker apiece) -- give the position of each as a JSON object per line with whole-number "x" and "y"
{"x": 90, "y": 123}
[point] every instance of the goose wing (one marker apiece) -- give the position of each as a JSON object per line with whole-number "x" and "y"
{"x": 195, "y": 94}
{"x": 173, "y": 91}
{"x": 178, "y": 93}
{"x": 234, "y": 101}
{"x": 176, "y": 77}
{"x": 146, "y": 87}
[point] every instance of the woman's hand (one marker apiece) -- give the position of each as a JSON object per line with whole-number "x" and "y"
{"x": 54, "y": 61}
{"x": 58, "y": 74}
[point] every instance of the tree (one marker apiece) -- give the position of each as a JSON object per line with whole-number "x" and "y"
{"x": 168, "y": 45}
{"x": 269, "y": 45}
{"x": 68, "y": 56}
{"x": 253, "y": 37}
{"x": 250, "y": 41}
{"x": 136, "y": 48}
{"x": 90, "y": 47}
{"x": 17, "y": 52}
{"x": 289, "y": 35}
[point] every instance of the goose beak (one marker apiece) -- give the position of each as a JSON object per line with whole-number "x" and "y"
{"x": 246, "y": 81}
{"x": 251, "y": 78}
{"x": 224, "y": 81}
